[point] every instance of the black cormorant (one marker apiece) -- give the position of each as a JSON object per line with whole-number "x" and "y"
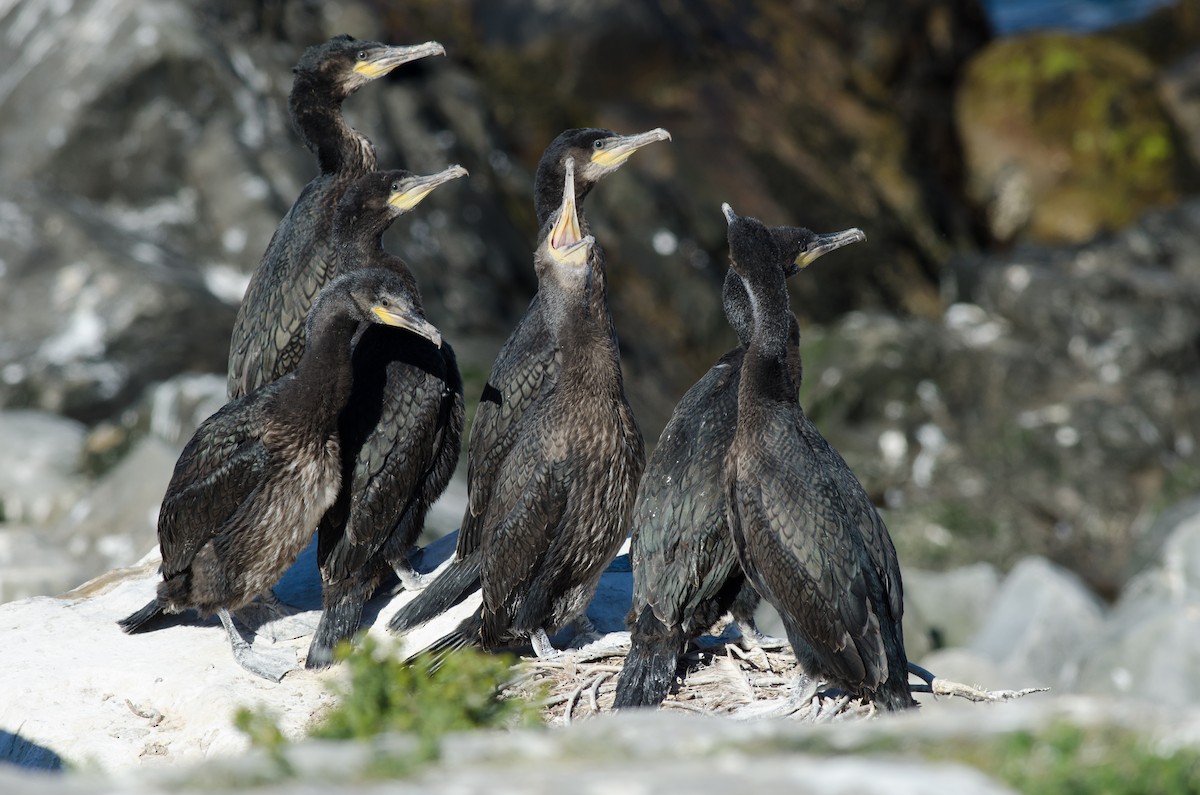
{"x": 806, "y": 533}
{"x": 401, "y": 429}
{"x": 258, "y": 475}
{"x": 268, "y": 335}
{"x": 525, "y": 364}
{"x": 562, "y": 495}
{"x": 685, "y": 570}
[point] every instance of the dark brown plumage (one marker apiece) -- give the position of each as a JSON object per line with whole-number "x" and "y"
{"x": 685, "y": 570}
{"x": 401, "y": 429}
{"x": 257, "y": 476}
{"x": 806, "y": 533}
{"x": 563, "y": 493}
{"x": 526, "y": 364}
{"x": 268, "y": 335}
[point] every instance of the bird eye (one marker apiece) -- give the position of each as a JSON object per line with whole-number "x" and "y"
{"x": 362, "y": 55}
{"x": 395, "y": 186}
{"x": 385, "y": 302}
{"x": 599, "y": 143}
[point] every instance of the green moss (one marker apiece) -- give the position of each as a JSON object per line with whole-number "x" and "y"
{"x": 1080, "y": 116}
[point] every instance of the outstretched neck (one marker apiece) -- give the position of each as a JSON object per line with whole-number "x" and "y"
{"x": 772, "y": 364}
{"x": 317, "y": 114}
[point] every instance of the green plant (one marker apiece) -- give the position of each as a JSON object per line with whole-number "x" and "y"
{"x": 1070, "y": 760}
{"x": 426, "y": 698}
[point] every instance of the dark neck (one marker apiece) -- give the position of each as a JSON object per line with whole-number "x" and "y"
{"x": 317, "y": 113}
{"x": 739, "y": 312}
{"x": 324, "y": 376}
{"x": 582, "y": 325}
{"x": 736, "y": 302}
{"x": 772, "y": 366}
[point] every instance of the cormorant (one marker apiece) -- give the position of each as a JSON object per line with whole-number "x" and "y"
{"x": 257, "y": 476}
{"x": 685, "y": 570}
{"x": 562, "y": 495}
{"x": 806, "y": 533}
{"x": 268, "y": 335}
{"x": 401, "y": 429}
{"x": 525, "y": 365}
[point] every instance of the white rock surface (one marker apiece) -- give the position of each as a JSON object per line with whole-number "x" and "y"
{"x": 73, "y": 683}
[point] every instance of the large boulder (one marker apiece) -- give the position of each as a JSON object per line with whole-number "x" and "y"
{"x": 1043, "y": 615}
{"x": 1064, "y": 137}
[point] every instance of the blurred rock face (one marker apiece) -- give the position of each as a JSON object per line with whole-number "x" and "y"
{"x": 1053, "y": 410}
{"x": 1035, "y": 402}
{"x": 1064, "y": 137}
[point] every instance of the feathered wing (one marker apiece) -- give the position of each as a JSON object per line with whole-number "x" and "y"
{"x": 525, "y": 366}
{"x": 521, "y": 528}
{"x": 206, "y": 490}
{"x": 863, "y": 516}
{"x": 268, "y": 335}
{"x": 789, "y": 521}
{"x": 681, "y": 549}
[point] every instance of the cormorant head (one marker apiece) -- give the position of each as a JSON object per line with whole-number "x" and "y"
{"x": 345, "y": 64}
{"x": 759, "y": 254}
{"x": 593, "y": 152}
{"x": 753, "y": 250}
{"x": 792, "y": 248}
{"x": 801, "y": 247}
{"x": 381, "y": 296}
{"x": 376, "y": 199}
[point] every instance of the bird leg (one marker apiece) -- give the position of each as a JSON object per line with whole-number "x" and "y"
{"x": 925, "y": 675}
{"x": 410, "y": 578}
{"x": 753, "y": 638}
{"x": 266, "y": 666}
{"x": 541, "y": 644}
{"x": 276, "y": 621}
{"x": 945, "y": 687}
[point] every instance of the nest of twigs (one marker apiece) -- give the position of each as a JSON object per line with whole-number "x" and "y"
{"x": 719, "y": 679}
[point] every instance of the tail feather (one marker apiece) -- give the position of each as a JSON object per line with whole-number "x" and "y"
{"x": 453, "y": 585}
{"x": 136, "y": 621}
{"x": 339, "y": 622}
{"x": 895, "y": 694}
{"x": 464, "y": 635}
{"x": 649, "y": 670}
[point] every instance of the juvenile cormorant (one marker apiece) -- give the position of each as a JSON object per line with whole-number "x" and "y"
{"x": 526, "y": 363}
{"x": 401, "y": 429}
{"x": 562, "y": 496}
{"x": 268, "y": 335}
{"x": 258, "y": 475}
{"x": 806, "y": 533}
{"x": 685, "y": 570}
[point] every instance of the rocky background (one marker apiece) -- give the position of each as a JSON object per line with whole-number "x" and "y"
{"x": 1010, "y": 362}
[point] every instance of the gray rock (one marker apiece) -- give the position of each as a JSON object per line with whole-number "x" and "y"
{"x": 1181, "y": 555}
{"x": 1041, "y": 618}
{"x": 117, "y": 521}
{"x": 41, "y": 471}
{"x": 1150, "y": 642}
{"x": 31, "y": 564}
{"x": 951, "y": 604}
